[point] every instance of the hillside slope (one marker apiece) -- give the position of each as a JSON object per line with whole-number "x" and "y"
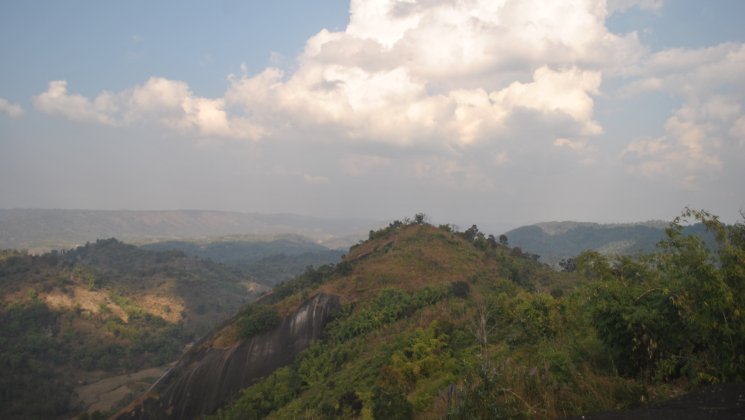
{"x": 101, "y": 310}
{"x": 436, "y": 323}
{"x": 391, "y": 286}
{"x": 268, "y": 259}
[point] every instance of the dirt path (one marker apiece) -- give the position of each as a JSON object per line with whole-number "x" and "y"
{"x": 109, "y": 392}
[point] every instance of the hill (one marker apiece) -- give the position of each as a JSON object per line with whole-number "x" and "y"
{"x": 268, "y": 259}
{"x": 424, "y": 322}
{"x": 41, "y": 230}
{"x": 555, "y": 241}
{"x": 101, "y": 310}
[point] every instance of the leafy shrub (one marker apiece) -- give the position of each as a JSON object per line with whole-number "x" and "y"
{"x": 681, "y": 314}
{"x": 257, "y": 319}
{"x": 391, "y": 404}
{"x": 389, "y": 306}
{"x": 460, "y": 289}
{"x": 312, "y": 277}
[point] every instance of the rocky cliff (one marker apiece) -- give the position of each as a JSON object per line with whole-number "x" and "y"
{"x": 207, "y": 377}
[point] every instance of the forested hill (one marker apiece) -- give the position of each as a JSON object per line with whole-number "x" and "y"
{"x": 426, "y": 322}
{"x": 40, "y": 230}
{"x": 268, "y": 259}
{"x": 101, "y": 310}
{"x": 554, "y": 241}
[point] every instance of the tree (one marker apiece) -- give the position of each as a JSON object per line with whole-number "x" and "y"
{"x": 568, "y": 265}
{"x": 470, "y": 233}
{"x": 391, "y": 403}
{"x": 678, "y": 312}
{"x": 503, "y": 239}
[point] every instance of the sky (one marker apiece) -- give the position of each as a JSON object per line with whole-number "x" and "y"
{"x": 496, "y": 112}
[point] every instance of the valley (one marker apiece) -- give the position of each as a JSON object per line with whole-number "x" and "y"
{"x": 104, "y": 309}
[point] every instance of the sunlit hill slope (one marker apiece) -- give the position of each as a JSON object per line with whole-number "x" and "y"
{"x": 420, "y": 321}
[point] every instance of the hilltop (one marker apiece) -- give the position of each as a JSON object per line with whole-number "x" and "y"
{"x": 422, "y": 321}
{"x": 401, "y": 270}
{"x": 100, "y": 310}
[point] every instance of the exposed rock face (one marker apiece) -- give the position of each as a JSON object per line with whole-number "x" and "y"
{"x": 206, "y": 378}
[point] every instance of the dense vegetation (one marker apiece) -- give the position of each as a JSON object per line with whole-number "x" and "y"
{"x": 106, "y": 306}
{"x": 40, "y": 348}
{"x": 438, "y": 323}
{"x": 269, "y": 260}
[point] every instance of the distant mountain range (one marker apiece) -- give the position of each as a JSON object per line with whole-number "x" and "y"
{"x": 555, "y": 241}
{"x": 41, "y": 230}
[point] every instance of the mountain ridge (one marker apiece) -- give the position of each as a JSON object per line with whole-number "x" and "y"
{"x": 556, "y": 241}
{"x": 40, "y": 230}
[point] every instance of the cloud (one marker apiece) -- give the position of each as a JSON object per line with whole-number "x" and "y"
{"x": 360, "y": 164}
{"x": 170, "y": 103}
{"x": 689, "y": 73}
{"x": 623, "y": 5}
{"x": 580, "y": 147}
{"x": 56, "y": 101}
{"x": 12, "y": 110}
{"x": 464, "y": 88}
{"x": 315, "y": 179}
{"x": 707, "y": 125}
{"x": 428, "y": 72}
{"x": 691, "y": 148}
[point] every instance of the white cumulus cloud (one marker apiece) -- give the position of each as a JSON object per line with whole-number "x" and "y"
{"x": 402, "y": 72}
{"x": 711, "y": 87}
{"x": 56, "y": 101}
{"x": 170, "y": 103}
{"x": 505, "y": 78}
{"x": 12, "y": 110}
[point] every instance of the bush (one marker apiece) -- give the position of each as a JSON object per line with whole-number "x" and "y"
{"x": 257, "y": 319}
{"x": 460, "y": 289}
{"x": 391, "y": 404}
{"x": 389, "y": 306}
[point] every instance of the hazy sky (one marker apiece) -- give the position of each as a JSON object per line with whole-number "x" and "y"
{"x": 498, "y": 112}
